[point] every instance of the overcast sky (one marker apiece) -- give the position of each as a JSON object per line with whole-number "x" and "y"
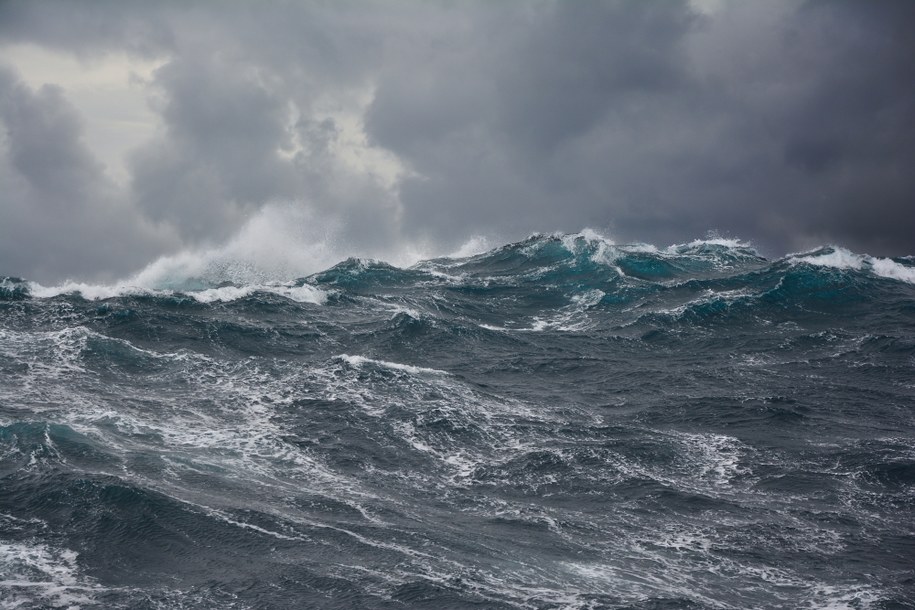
{"x": 132, "y": 130}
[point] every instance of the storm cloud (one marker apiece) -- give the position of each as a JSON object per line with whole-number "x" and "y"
{"x": 784, "y": 123}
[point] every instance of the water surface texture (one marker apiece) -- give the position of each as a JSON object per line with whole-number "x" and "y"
{"x": 556, "y": 423}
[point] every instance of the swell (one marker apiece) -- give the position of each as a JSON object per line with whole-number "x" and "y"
{"x": 562, "y": 422}
{"x": 578, "y": 261}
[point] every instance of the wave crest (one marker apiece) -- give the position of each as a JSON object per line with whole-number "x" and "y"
{"x": 836, "y": 257}
{"x": 262, "y": 260}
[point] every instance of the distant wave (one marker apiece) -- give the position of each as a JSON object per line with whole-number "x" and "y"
{"x": 587, "y": 255}
{"x": 303, "y": 293}
{"x": 840, "y": 258}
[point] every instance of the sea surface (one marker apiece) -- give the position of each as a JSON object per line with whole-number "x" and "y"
{"x": 557, "y": 423}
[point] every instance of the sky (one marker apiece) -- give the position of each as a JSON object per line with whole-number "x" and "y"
{"x": 304, "y": 132}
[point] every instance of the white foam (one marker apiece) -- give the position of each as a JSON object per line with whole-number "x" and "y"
{"x": 408, "y": 431}
{"x": 632, "y": 583}
{"x": 97, "y": 292}
{"x": 592, "y": 235}
{"x": 570, "y": 318}
{"x": 249, "y": 526}
{"x": 728, "y": 297}
{"x": 280, "y": 243}
{"x": 716, "y": 457}
{"x": 92, "y": 292}
{"x": 32, "y": 572}
{"x": 222, "y": 294}
{"x": 300, "y": 294}
{"x": 397, "y": 309}
{"x": 588, "y": 299}
{"x": 48, "y": 354}
{"x": 838, "y": 258}
{"x": 463, "y": 465}
{"x": 414, "y": 370}
{"x": 842, "y": 258}
{"x": 500, "y": 329}
{"x": 641, "y": 248}
{"x": 477, "y": 244}
{"x": 607, "y": 254}
{"x": 684, "y": 541}
{"x": 887, "y": 268}
{"x": 589, "y": 236}
{"x": 713, "y": 241}
{"x": 538, "y": 326}
{"x": 852, "y": 597}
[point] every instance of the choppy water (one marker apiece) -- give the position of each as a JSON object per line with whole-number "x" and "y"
{"x": 559, "y": 422}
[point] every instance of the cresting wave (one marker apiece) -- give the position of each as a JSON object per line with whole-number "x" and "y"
{"x": 217, "y": 279}
{"x": 840, "y": 258}
{"x": 302, "y": 293}
{"x": 562, "y": 422}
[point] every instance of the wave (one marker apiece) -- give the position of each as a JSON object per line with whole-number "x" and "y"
{"x": 589, "y": 250}
{"x": 837, "y": 257}
{"x": 299, "y": 292}
{"x": 581, "y": 262}
{"x": 719, "y": 401}
{"x": 360, "y": 361}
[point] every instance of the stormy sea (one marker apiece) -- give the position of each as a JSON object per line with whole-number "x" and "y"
{"x": 562, "y": 422}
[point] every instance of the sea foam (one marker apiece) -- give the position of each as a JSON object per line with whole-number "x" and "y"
{"x": 837, "y": 257}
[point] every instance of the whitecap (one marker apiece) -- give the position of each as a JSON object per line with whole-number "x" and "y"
{"x": 733, "y": 243}
{"x": 300, "y": 294}
{"x": 92, "y": 292}
{"x": 98, "y": 292}
{"x": 476, "y": 244}
{"x": 837, "y": 257}
{"x": 890, "y": 269}
{"x": 590, "y": 237}
{"x": 359, "y": 361}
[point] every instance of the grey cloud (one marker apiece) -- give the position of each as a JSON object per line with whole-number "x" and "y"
{"x": 59, "y": 215}
{"x": 602, "y": 115}
{"x": 87, "y": 28}
{"x": 218, "y": 156}
{"x": 843, "y": 137}
{"x": 536, "y": 103}
{"x": 585, "y": 59}
{"x": 227, "y": 95}
{"x": 232, "y": 143}
{"x": 781, "y": 122}
{"x": 43, "y": 142}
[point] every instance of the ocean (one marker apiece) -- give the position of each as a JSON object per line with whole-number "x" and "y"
{"x": 562, "y": 422}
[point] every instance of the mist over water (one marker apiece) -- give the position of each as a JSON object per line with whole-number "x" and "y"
{"x": 560, "y": 422}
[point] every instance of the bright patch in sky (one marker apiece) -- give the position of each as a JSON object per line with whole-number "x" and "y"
{"x": 109, "y": 92}
{"x": 351, "y": 145}
{"x": 707, "y": 7}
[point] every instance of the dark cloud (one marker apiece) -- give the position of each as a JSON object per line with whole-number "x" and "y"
{"x": 87, "y": 28}
{"x": 219, "y": 154}
{"x": 663, "y": 125}
{"x": 536, "y": 100}
{"x": 781, "y": 122}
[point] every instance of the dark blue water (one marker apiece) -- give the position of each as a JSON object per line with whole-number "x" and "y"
{"x": 557, "y": 423}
